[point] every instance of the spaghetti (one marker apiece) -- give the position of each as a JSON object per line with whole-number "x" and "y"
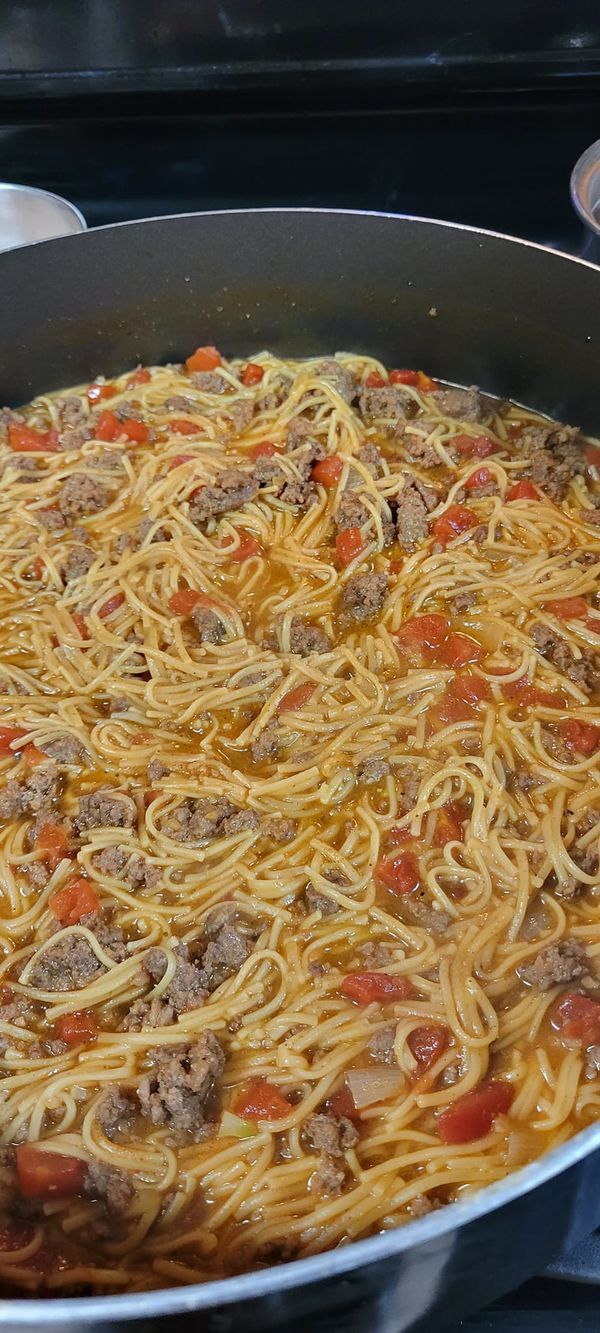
{"x": 299, "y": 812}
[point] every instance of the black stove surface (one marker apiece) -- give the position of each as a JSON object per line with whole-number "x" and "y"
{"x": 504, "y": 166}
{"x": 490, "y": 161}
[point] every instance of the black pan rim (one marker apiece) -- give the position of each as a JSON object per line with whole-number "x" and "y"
{"x": 443, "y": 223}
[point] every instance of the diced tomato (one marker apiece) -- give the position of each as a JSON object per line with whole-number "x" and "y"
{"x": 461, "y": 697}
{"x": 449, "y": 824}
{"x": 296, "y": 699}
{"x": 108, "y": 426}
{"x": 248, "y": 546}
{"x": 375, "y": 380}
{"x": 348, "y": 544}
{"x": 52, "y": 839}
{"x": 399, "y": 873}
{"x": 481, "y": 477}
{"x": 523, "y": 490}
{"x": 404, "y": 377}
{"x": 342, "y": 1103}
{"x": 140, "y": 376}
{"x": 454, "y": 521}
{"x": 182, "y": 427}
{"x": 577, "y": 1017}
{"x": 149, "y": 797}
{"x": 459, "y": 650}
{"x": 375, "y": 987}
{"x": 15, "y": 1236}
{"x": 96, "y": 392}
{"x": 528, "y": 695}
{"x": 37, "y": 568}
{"x": 252, "y": 374}
{"x": 473, "y": 1115}
{"x": 80, "y": 624}
{"x": 136, "y": 431}
{"x": 26, "y": 440}
{"x": 427, "y": 1043}
{"x": 398, "y": 837}
{"x": 592, "y": 455}
{"x": 581, "y": 736}
{"x": 204, "y": 358}
{"x": 77, "y": 1029}
{"x": 261, "y": 1101}
{"x": 263, "y": 450}
{"x": 329, "y": 470}
{"x": 568, "y": 608}
{"x": 74, "y": 901}
{"x": 179, "y": 459}
{"x": 111, "y": 605}
{"x": 425, "y": 382}
{"x": 48, "y": 1175}
{"x": 32, "y": 755}
{"x": 8, "y": 735}
{"x": 184, "y": 601}
{"x": 422, "y": 635}
{"x": 474, "y": 446}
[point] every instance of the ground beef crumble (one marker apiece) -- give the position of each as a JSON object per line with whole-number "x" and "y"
{"x": 363, "y": 597}
{"x": 414, "y": 505}
{"x": 106, "y": 808}
{"x": 306, "y": 638}
{"x": 180, "y": 1088}
{"x": 558, "y": 963}
{"x": 109, "y": 1187}
{"x": 331, "y": 1136}
{"x": 230, "y": 490}
{"x": 583, "y": 671}
{"x": 31, "y": 795}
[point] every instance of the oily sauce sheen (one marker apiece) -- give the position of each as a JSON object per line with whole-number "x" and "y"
{"x": 299, "y": 814}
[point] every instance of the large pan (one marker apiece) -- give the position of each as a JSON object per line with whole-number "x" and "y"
{"x": 468, "y": 306}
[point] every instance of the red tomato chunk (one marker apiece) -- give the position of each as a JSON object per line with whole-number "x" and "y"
{"x": 48, "y": 1175}
{"x": 523, "y": 490}
{"x": 296, "y": 699}
{"x": 329, "y": 470}
{"x": 459, "y": 650}
{"x": 583, "y": 737}
{"x": 427, "y": 1043}
{"x": 577, "y": 1017}
{"x": 77, "y": 1029}
{"x": 472, "y": 1116}
{"x": 261, "y": 1101}
{"x": 348, "y": 545}
{"x": 8, "y": 735}
{"x": 204, "y": 358}
{"x": 375, "y": 987}
{"x": 399, "y": 873}
{"x": 423, "y": 634}
{"x": 73, "y": 901}
{"x": 252, "y": 374}
{"x": 452, "y": 523}
{"x": 474, "y": 446}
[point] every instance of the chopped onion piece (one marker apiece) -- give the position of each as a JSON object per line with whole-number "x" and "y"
{"x": 374, "y": 1085}
{"x": 521, "y": 1146}
{"x": 232, "y": 1127}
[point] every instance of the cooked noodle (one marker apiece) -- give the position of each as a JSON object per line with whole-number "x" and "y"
{"x": 383, "y": 758}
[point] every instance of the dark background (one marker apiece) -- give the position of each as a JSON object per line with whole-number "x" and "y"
{"x": 468, "y": 111}
{"x": 471, "y": 110}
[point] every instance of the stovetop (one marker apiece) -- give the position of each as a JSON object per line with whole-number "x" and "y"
{"x": 488, "y": 159}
